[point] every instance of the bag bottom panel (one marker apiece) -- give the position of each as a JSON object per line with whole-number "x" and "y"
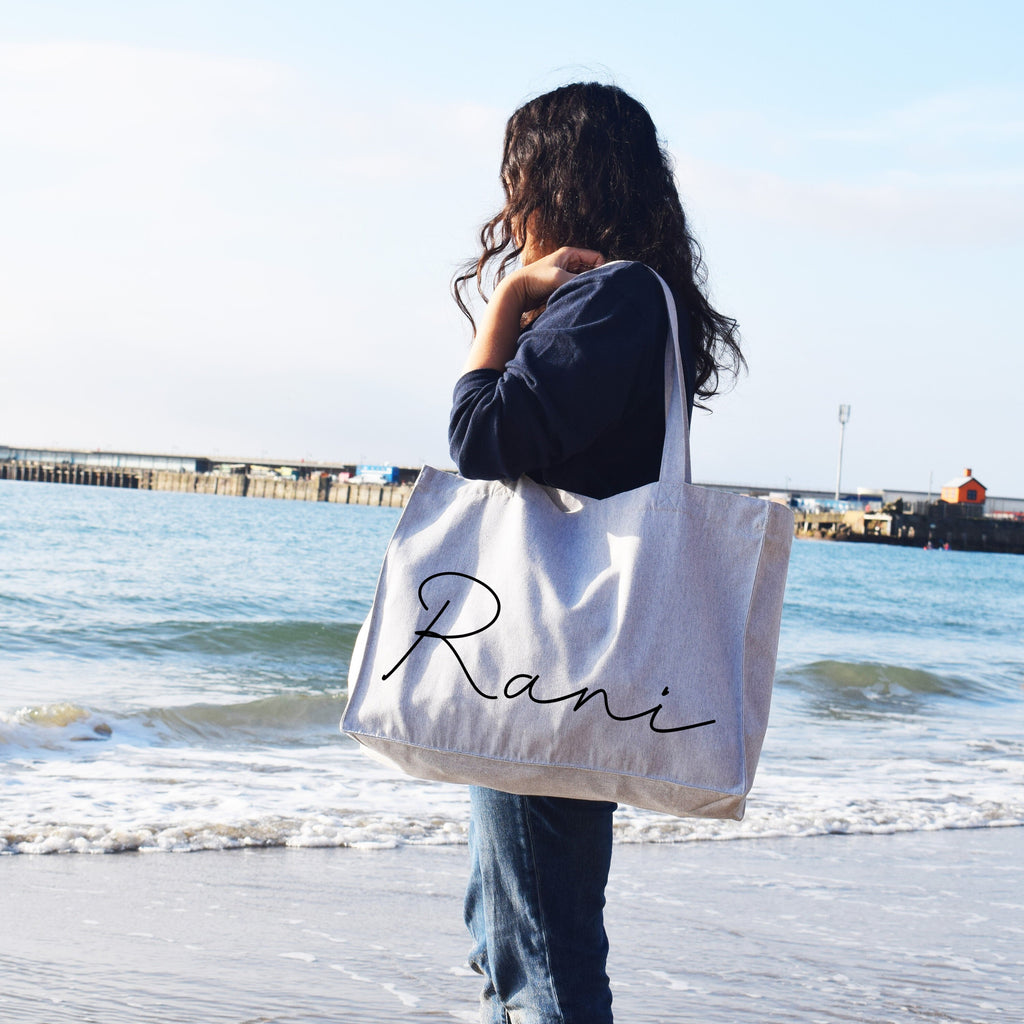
{"x": 547, "y": 780}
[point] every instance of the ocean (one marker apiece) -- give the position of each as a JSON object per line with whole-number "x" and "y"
{"x": 173, "y": 671}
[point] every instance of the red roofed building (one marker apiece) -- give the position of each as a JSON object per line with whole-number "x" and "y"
{"x": 965, "y": 490}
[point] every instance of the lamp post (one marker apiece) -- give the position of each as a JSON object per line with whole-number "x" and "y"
{"x": 844, "y": 416}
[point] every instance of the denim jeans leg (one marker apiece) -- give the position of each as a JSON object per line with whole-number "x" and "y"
{"x": 535, "y": 904}
{"x": 491, "y": 1010}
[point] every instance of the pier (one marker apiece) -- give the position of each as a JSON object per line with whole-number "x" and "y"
{"x": 936, "y": 525}
{"x": 245, "y": 483}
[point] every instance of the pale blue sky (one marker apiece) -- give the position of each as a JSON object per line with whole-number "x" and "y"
{"x": 229, "y": 227}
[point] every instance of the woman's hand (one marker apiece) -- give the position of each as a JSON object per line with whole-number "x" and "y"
{"x": 522, "y": 291}
{"x": 538, "y": 280}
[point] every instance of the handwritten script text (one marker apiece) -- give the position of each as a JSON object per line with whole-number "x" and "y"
{"x": 522, "y": 682}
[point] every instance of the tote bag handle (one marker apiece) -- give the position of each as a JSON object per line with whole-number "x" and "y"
{"x": 675, "y": 452}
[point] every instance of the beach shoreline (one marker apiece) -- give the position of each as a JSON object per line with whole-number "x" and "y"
{"x": 907, "y": 927}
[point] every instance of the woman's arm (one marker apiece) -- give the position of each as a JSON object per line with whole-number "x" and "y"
{"x": 589, "y": 363}
{"x": 525, "y": 289}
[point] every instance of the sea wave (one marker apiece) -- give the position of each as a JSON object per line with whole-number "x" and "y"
{"x": 878, "y": 687}
{"x": 294, "y": 717}
{"x": 290, "y": 719}
{"x": 51, "y": 726}
{"x": 309, "y": 712}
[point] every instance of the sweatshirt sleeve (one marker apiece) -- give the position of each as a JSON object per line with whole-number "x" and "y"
{"x": 569, "y": 381}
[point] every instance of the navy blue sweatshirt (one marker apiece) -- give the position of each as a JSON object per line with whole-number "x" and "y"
{"x": 581, "y": 404}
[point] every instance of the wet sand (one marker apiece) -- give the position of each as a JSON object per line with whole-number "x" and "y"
{"x": 925, "y": 926}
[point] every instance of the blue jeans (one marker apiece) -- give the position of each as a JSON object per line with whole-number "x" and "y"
{"x": 534, "y": 906}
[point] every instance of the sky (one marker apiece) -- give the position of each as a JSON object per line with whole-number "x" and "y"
{"x": 229, "y": 228}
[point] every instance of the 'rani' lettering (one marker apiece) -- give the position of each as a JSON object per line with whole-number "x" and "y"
{"x": 523, "y": 682}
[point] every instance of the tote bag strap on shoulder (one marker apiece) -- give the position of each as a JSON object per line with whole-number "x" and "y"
{"x": 675, "y": 453}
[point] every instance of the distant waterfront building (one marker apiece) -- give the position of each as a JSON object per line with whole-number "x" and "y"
{"x": 964, "y": 490}
{"x": 384, "y": 474}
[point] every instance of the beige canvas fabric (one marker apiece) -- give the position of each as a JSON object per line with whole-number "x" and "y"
{"x": 537, "y": 641}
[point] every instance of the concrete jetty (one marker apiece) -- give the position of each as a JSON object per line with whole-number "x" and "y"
{"x": 314, "y": 487}
{"x": 936, "y": 525}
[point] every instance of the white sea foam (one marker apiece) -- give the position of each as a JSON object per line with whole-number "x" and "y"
{"x": 122, "y": 798}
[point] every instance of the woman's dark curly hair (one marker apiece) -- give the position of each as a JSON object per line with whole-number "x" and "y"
{"x": 583, "y": 166}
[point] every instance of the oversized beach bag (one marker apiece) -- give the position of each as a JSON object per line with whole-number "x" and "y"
{"x": 537, "y": 641}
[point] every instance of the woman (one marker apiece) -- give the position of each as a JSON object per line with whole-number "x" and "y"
{"x": 564, "y": 382}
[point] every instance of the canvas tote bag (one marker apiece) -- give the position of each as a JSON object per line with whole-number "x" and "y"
{"x": 541, "y": 642}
